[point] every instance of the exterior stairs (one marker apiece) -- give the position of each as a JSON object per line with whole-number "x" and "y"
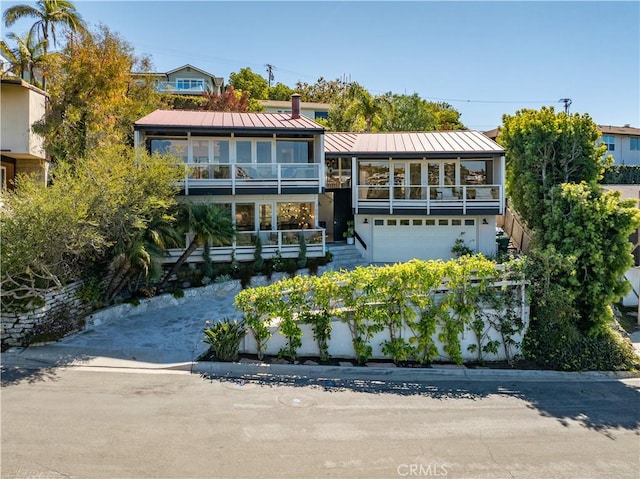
{"x": 344, "y": 257}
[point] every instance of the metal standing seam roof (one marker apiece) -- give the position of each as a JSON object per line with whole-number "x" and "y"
{"x": 414, "y": 143}
{"x": 216, "y": 120}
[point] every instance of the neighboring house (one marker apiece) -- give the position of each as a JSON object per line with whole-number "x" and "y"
{"x": 185, "y": 80}
{"x": 311, "y": 110}
{"x": 21, "y": 149}
{"x": 623, "y": 143}
{"x": 265, "y": 168}
{"x": 411, "y": 195}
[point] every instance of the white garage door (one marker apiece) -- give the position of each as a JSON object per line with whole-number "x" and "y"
{"x": 398, "y": 240}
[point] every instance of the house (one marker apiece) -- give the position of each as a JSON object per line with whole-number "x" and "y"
{"x": 22, "y": 151}
{"x": 185, "y": 80}
{"x": 311, "y": 110}
{"x": 623, "y": 143}
{"x": 266, "y": 169}
{"x": 411, "y": 195}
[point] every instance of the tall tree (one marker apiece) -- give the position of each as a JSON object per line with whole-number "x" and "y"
{"x": 280, "y": 92}
{"x": 25, "y": 57}
{"x": 93, "y": 98}
{"x": 229, "y": 100}
{"x": 407, "y": 113}
{"x": 544, "y": 149}
{"x": 322, "y": 91}
{"x": 49, "y": 14}
{"x": 252, "y": 83}
{"x": 369, "y": 107}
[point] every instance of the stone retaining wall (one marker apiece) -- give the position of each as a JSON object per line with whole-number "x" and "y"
{"x": 62, "y": 303}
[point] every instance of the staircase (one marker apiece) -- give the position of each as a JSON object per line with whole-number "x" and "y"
{"x": 344, "y": 257}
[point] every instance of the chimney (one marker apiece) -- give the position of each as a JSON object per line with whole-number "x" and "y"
{"x": 295, "y": 106}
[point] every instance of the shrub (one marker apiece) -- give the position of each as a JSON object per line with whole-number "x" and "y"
{"x": 224, "y": 339}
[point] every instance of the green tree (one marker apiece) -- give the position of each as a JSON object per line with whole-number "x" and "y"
{"x": 88, "y": 216}
{"x": 323, "y": 91}
{"x": 247, "y": 81}
{"x": 544, "y": 149}
{"x": 25, "y": 57}
{"x": 366, "y": 106}
{"x": 446, "y": 117}
{"x": 93, "y": 98}
{"x": 206, "y": 223}
{"x": 280, "y": 92}
{"x": 592, "y": 225}
{"x": 407, "y": 113}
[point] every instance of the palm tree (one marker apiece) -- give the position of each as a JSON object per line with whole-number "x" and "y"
{"x": 25, "y": 57}
{"x": 49, "y": 14}
{"x": 206, "y": 222}
{"x": 138, "y": 257}
{"x": 365, "y": 105}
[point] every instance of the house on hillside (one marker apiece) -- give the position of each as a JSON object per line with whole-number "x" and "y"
{"x": 623, "y": 142}
{"x": 411, "y": 195}
{"x": 22, "y": 151}
{"x": 265, "y": 168}
{"x": 185, "y": 80}
{"x": 312, "y": 110}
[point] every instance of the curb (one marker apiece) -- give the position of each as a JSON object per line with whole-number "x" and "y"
{"x": 266, "y": 371}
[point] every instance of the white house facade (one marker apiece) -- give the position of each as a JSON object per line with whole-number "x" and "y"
{"x": 22, "y": 150}
{"x": 312, "y": 110}
{"x": 280, "y": 176}
{"x": 412, "y": 195}
{"x": 623, "y": 143}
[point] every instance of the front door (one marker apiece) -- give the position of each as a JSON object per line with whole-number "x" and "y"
{"x": 342, "y": 212}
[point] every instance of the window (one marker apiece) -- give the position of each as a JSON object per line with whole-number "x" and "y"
{"x": 610, "y": 141}
{"x": 469, "y": 222}
{"x": 391, "y": 222}
{"x": 200, "y": 155}
{"x": 417, "y": 222}
{"x": 221, "y": 167}
{"x": 456, "y": 222}
{"x": 245, "y": 217}
{"x": 266, "y": 217}
{"x": 404, "y": 222}
{"x": 443, "y": 222}
{"x": 635, "y": 143}
{"x": 189, "y": 84}
{"x": 264, "y": 151}
{"x": 243, "y": 152}
{"x": 374, "y": 173}
{"x": 429, "y": 222}
{"x": 473, "y": 172}
{"x": 175, "y": 147}
{"x": 294, "y": 151}
{"x": 378, "y": 222}
{"x": 321, "y": 114}
{"x": 294, "y": 216}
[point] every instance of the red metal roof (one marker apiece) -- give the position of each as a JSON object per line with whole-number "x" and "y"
{"x": 217, "y": 120}
{"x": 414, "y": 143}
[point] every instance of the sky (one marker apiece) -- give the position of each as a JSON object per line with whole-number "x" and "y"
{"x": 486, "y": 59}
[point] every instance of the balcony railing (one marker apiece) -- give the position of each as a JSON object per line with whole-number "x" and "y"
{"x": 469, "y": 198}
{"x": 178, "y": 87}
{"x": 287, "y": 242}
{"x": 252, "y": 175}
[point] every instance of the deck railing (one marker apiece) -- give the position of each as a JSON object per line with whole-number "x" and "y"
{"x": 424, "y": 197}
{"x": 252, "y": 175}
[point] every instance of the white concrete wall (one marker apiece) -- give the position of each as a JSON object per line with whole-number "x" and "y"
{"x": 633, "y": 276}
{"x": 20, "y": 107}
{"x": 341, "y": 346}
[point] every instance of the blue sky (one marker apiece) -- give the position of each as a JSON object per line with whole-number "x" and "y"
{"x": 484, "y": 58}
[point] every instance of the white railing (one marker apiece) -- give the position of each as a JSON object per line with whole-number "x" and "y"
{"x": 287, "y": 242}
{"x": 423, "y": 197}
{"x": 252, "y": 175}
{"x": 177, "y": 87}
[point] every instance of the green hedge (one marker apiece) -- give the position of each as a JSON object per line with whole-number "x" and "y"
{"x": 621, "y": 175}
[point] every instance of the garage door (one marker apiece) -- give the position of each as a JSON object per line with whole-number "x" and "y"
{"x": 398, "y": 240}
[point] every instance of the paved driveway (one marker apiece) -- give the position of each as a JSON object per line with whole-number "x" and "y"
{"x": 168, "y": 334}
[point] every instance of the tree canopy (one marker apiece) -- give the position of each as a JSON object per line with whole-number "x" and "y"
{"x": 545, "y": 149}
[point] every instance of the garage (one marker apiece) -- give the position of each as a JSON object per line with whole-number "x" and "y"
{"x": 401, "y": 239}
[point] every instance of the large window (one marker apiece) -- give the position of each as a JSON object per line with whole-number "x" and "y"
{"x": 294, "y": 151}
{"x": 167, "y": 146}
{"x": 474, "y": 172}
{"x": 338, "y": 172}
{"x": 294, "y": 216}
{"x": 188, "y": 84}
{"x": 610, "y": 141}
{"x": 245, "y": 217}
{"x": 200, "y": 155}
{"x": 635, "y": 143}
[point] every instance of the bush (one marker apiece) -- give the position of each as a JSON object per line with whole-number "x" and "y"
{"x": 621, "y": 175}
{"x": 224, "y": 339}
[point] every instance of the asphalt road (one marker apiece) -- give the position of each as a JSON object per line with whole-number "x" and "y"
{"x": 86, "y": 422}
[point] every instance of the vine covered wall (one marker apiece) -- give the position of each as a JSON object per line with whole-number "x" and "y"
{"x": 469, "y": 309}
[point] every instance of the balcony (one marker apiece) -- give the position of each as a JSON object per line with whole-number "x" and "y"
{"x": 430, "y": 200}
{"x": 251, "y": 177}
{"x": 287, "y": 242}
{"x": 179, "y": 88}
